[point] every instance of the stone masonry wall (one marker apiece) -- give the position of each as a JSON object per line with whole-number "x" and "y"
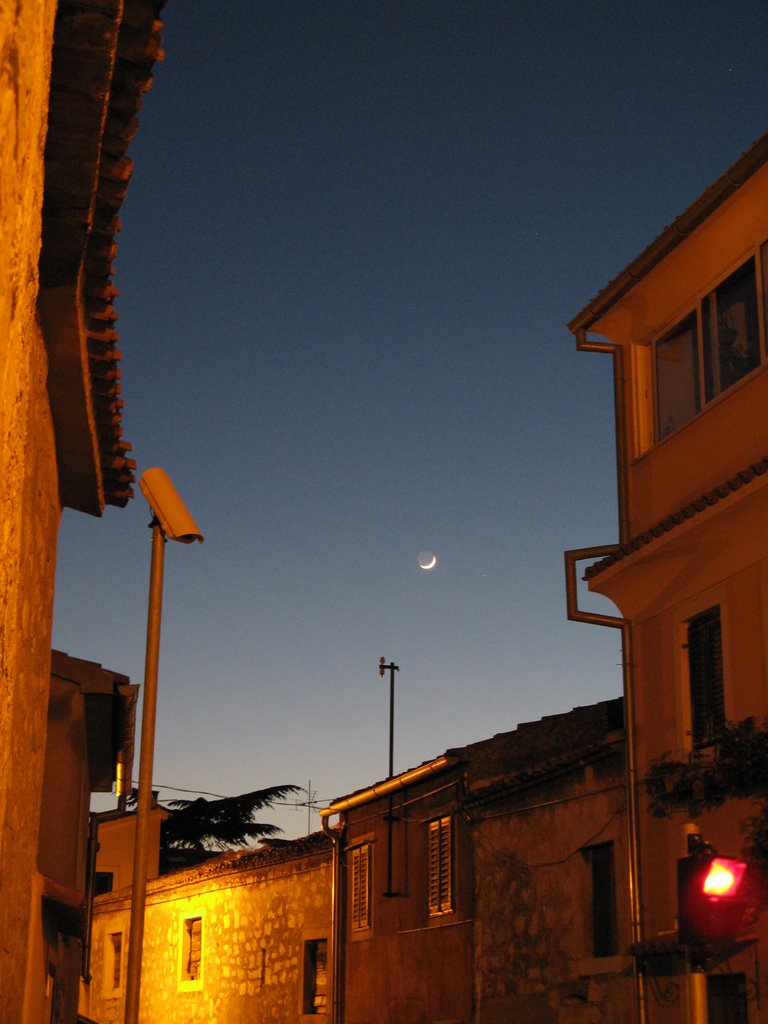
{"x": 533, "y": 955}
{"x": 255, "y": 924}
{"x": 29, "y": 504}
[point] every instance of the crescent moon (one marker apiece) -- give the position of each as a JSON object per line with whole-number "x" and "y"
{"x": 430, "y": 565}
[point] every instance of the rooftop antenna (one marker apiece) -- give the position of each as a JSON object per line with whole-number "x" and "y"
{"x": 391, "y": 668}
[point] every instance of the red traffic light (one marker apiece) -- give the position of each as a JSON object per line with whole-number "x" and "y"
{"x": 716, "y": 903}
{"x": 724, "y": 878}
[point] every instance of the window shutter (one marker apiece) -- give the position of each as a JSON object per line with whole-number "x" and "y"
{"x": 440, "y": 866}
{"x": 705, "y": 662}
{"x": 361, "y": 887}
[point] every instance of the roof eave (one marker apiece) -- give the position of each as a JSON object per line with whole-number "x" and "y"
{"x": 102, "y": 60}
{"x": 733, "y": 179}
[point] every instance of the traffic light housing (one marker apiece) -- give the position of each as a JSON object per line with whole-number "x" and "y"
{"x": 715, "y": 899}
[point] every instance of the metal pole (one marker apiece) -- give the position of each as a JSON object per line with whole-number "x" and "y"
{"x": 390, "y": 814}
{"x": 144, "y": 803}
{"x": 698, "y": 1011}
{"x": 392, "y": 669}
{"x": 391, "y": 721}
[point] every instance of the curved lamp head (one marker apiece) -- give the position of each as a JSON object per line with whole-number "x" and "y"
{"x": 164, "y": 500}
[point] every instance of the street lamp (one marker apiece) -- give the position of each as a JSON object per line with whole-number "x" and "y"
{"x": 170, "y": 521}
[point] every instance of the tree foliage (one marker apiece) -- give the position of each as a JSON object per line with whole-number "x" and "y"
{"x": 210, "y": 826}
{"x": 204, "y": 825}
{"x": 738, "y": 769}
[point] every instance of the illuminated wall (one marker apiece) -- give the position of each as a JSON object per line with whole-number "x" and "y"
{"x": 29, "y": 503}
{"x": 240, "y": 938}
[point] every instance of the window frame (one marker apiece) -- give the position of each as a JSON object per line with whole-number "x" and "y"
{"x": 112, "y": 958}
{"x": 440, "y": 867}
{"x": 186, "y": 983}
{"x": 311, "y": 973}
{"x": 604, "y": 928}
{"x": 701, "y": 315}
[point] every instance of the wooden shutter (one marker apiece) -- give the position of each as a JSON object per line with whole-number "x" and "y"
{"x": 361, "y": 887}
{"x": 440, "y": 866}
{"x": 705, "y": 665}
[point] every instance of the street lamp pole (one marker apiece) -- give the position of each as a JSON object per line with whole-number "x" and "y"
{"x": 170, "y": 520}
{"x": 144, "y": 802}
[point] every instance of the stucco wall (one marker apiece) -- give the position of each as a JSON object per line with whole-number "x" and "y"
{"x": 29, "y": 506}
{"x": 255, "y": 924}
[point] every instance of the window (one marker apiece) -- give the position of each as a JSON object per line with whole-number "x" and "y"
{"x": 113, "y": 964}
{"x": 102, "y": 882}
{"x": 117, "y": 963}
{"x": 360, "y": 863}
{"x": 603, "y": 899}
{"x": 677, "y": 377}
{"x": 710, "y": 351}
{"x": 730, "y": 329}
{"x": 191, "y": 952}
{"x": 727, "y": 999}
{"x": 440, "y": 852}
{"x": 315, "y": 976}
{"x": 705, "y": 671}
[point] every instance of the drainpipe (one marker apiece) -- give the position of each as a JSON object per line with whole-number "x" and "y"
{"x": 583, "y": 344}
{"x": 630, "y": 747}
{"x": 90, "y": 871}
{"x": 337, "y": 919}
{"x": 576, "y": 614}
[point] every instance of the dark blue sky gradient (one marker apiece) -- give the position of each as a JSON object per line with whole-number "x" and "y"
{"x": 353, "y": 238}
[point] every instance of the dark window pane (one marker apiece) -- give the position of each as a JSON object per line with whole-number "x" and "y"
{"x": 727, "y": 999}
{"x": 731, "y": 335}
{"x": 603, "y": 900}
{"x": 677, "y": 378}
{"x": 102, "y": 882}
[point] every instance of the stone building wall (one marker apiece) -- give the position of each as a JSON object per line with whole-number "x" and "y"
{"x": 258, "y": 909}
{"x": 534, "y": 954}
{"x": 29, "y": 503}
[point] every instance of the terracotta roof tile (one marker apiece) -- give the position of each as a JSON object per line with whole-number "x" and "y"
{"x": 707, "y": 500}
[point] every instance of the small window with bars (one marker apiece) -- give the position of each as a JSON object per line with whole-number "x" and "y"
{"x": 360, "y": 889}
{"x": 440, "y": 869}
{"x": 315, "y": 976}
{"x": 113, "y": 964}
{"x": 705, "y": 672}
{"x": 192, "y": 951}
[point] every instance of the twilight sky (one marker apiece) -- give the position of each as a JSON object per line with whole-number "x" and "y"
{"x": 353, "y": 238}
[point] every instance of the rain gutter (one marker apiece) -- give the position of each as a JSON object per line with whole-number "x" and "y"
{"x": 409, "y": 778}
